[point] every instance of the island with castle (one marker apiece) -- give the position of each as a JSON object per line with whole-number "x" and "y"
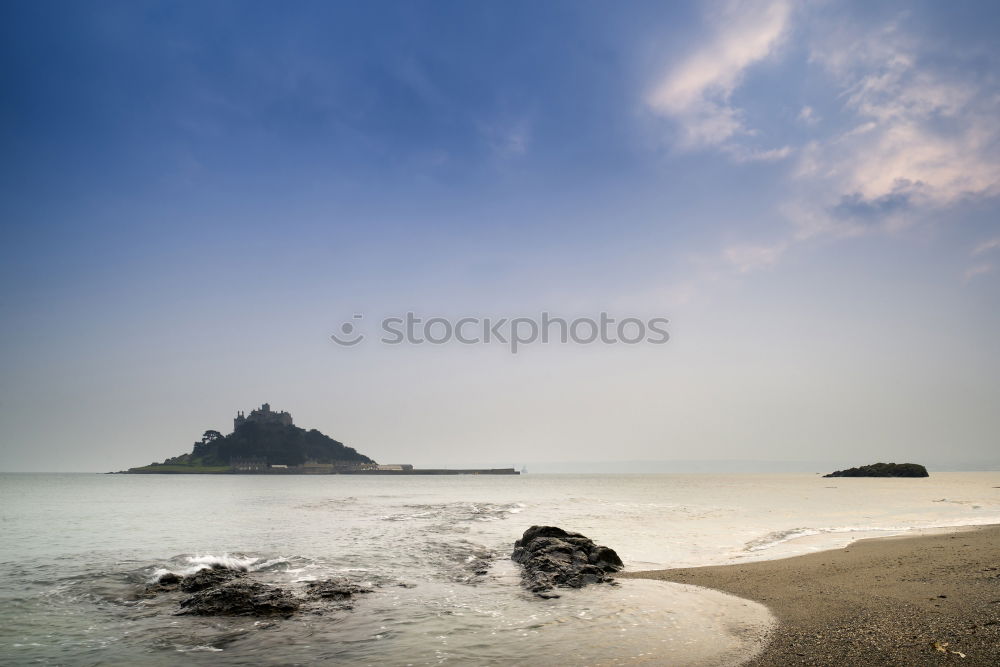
{"x": 268, "y": 442}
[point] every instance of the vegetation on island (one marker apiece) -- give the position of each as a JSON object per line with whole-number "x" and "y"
{"x": 883, "y": 470}
{"x": 273, "y": 443}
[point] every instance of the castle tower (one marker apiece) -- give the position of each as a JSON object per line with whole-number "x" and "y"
{"x": 263, "y": 415}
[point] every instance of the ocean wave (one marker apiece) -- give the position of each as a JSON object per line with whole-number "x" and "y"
{"x": 777, "y": 537}
{"x": 781, "y": 536}
{"x": 188, "y": 565}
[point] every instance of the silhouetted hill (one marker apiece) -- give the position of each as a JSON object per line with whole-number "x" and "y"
{"x": 264, "y": 442}
{"x": 279, "y": 444}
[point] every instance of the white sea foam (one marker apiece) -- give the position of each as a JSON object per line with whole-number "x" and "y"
{"x": 779, "y": 537}
{"x": 189, "y": 565}
{"x": 198, "y": 649}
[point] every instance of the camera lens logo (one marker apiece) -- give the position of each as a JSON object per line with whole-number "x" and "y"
{"x": 348, "y": 336}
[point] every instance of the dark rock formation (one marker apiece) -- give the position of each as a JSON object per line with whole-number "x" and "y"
{"x": 240, "y": 598}
{"x": 223, "y": 591}
{"x": 166, "y": 583}
{"x": 552, "y": 557}
{"x": 335, "y": 590}
{"x": 192, "y": 583}
{"x": 883, "y": 470}
{"x": 208, "y": 578}
{"x": 169, "y": 579}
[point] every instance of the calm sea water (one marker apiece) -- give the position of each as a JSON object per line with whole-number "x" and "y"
{"x": 75, "y": 549}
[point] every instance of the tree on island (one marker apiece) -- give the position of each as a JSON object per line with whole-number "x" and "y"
{"x": 210, "y": 436}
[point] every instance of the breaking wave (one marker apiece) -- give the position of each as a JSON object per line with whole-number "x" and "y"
{"x": 188, "y": 565}
{"x": 781, "y": 536}
{"x": 777, "y": 537}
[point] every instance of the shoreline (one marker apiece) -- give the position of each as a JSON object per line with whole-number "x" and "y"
{"x": 898, "y": 600}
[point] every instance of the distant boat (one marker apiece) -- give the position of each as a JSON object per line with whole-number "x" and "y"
{"x": 524, "y": 470}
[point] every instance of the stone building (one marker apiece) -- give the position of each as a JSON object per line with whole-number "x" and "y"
{"x": 262, "y": 415}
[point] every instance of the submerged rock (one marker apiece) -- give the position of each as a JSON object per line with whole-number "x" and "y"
{"x": 552, "y": 557}
{"x": 883, "y": 470}
{"x": 334, "y": 589}
{"x": 240, "y": 598}
{"x": 338, "y": 591}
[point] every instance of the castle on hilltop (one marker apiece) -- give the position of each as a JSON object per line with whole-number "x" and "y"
{"x": 262, "y": 415}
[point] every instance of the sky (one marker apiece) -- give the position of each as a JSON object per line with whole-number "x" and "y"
{"x": 195, "y": 196}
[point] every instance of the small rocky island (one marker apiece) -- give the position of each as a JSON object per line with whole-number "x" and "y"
{"x": 262, "y": 441}
{"x": 552, "y": 557}
{"x": 268, "y": 442}
{"x": 883, "y": 470}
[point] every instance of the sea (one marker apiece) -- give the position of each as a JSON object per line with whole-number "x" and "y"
{"x": 76, "y": 550}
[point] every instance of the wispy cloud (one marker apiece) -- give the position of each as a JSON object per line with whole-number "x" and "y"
{"x": 922, "y": 131}
{"x": 808, "y": 115}
{"x": 749, "y": 257}
{"x": 978, "y": 270}
{"x": 982, "y": 268}
{"x": 987, "y": 246}
{"x": 742, "y": 154}
{"x": 697, "y": 93}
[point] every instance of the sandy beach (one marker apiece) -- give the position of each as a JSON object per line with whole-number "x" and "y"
{"x": 909, "y": 600}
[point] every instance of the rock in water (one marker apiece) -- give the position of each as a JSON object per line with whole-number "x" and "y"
{"x": 169, "y": 579}
{"x": 167, "y": 583}
{"x": 240, "y": 598}
{"x": 553, "y": 557}
{"x": 207, "y": 578}
{"x": 334, "y": 589}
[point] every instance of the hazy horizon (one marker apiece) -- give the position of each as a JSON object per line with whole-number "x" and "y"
{"x": 195, "y": 198}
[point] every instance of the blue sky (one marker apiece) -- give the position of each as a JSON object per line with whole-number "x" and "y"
{"x": 193, "y": 197}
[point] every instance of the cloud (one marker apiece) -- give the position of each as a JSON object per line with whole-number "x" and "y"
{"x": 922, "y": 137}
{"x": 742, "y": 154}
{"x": 808, "y": 116}
{"x": 749, "y": 257}
{"x": 697, "y": 93}
{"x": 987, "y": 246}
{"x": 858, "y": 207}
{"x": 923, "y": 134}
{"x": 978, "y": 270}
{"x": 912, "y": 129}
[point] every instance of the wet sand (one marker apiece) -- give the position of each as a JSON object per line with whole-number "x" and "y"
{"x": 921, "y": 600}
